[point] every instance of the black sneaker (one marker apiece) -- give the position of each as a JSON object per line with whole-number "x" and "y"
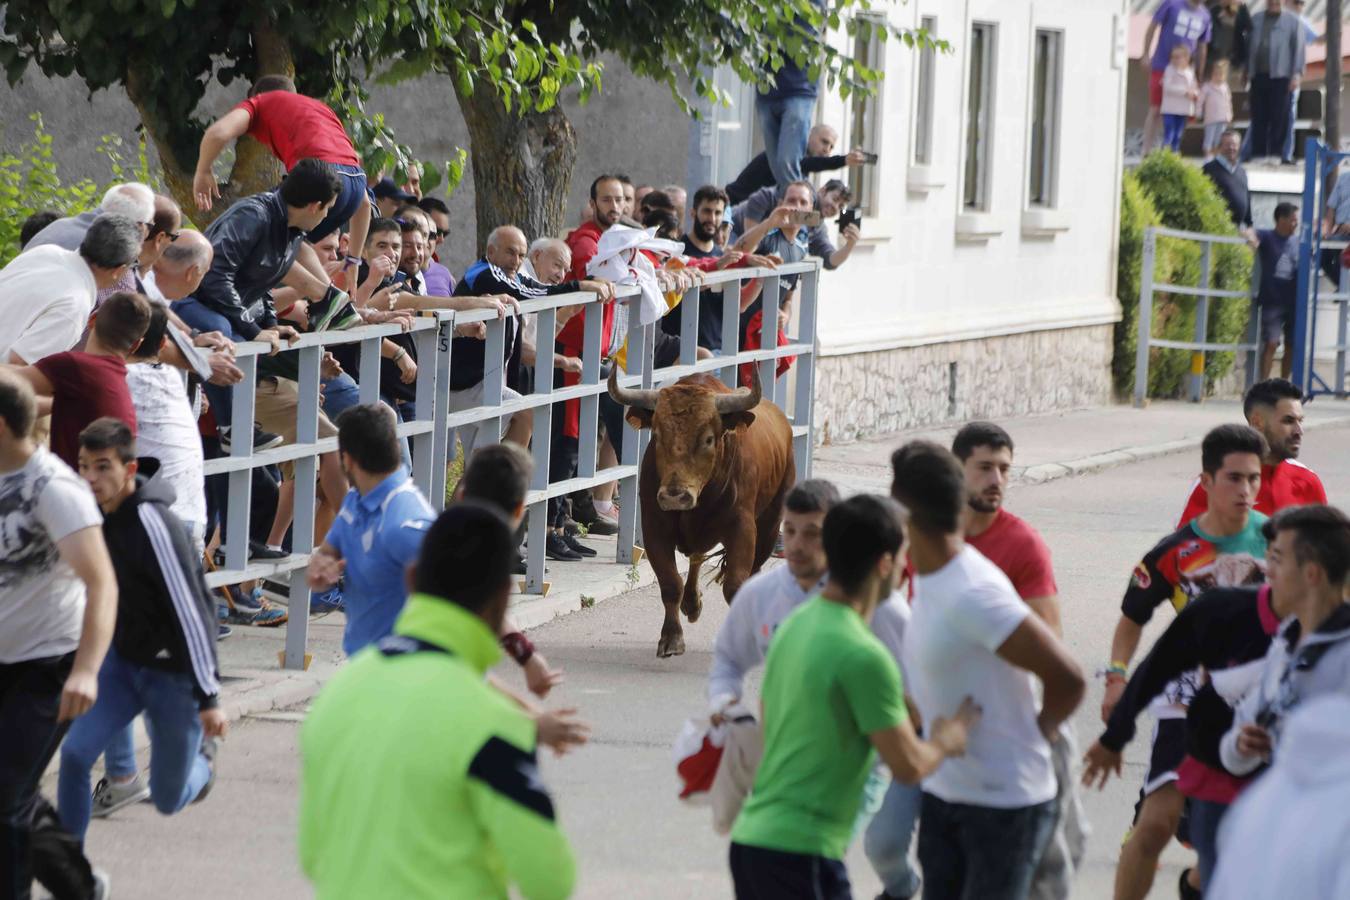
{"x": 262, "y": 440}
{"x": 556, "y": 548}
{"x": 1184, "y": 889}
{"x": 259, "y": 550}
{"x": 577, "y": 546}
{"x": 333, "y": 313}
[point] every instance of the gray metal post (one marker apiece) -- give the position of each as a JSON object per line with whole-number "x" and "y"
{"x": 241, "y": 481}
{"x": 731, "y": 328}
{"x": 689, "y": 313}
{"x": 1342, "y": 332}
{"x": 591, "y": 357}
{"x": 494, "y": 379}
{"x": 804, "y": 400}
{"x": 424, "y": 445}
{"x": 302, "y": 525}
{"x": 370, "y": 371}
{"x": 1201, "y": 325}
{"x": 442, "y": 441}
{"x": 634, "y": 442}
{"x": 1145, "y": 318}
{"x": 540, "y": 447}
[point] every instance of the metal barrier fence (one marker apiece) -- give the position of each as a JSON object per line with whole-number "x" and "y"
{"x": 1203, "y": 293}
{"x": 433, "y": 429}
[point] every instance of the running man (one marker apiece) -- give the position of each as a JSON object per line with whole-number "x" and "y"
{"x": 293, "y": 127}
{"x": 831, "y": 694}
{"x": 985, "y": 819}
{"x": 1224, "y": 547}
{"x": 163, "y": 658}
{"x": 419, "y": 778}
{"x": 1273, "y": 407}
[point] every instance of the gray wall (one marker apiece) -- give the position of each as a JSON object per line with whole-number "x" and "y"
{"x": 632, "y": 126}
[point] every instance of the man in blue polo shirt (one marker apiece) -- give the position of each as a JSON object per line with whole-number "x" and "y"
{"x": 378, "y": 532}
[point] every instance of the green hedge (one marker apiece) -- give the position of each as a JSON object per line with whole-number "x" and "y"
{"x": 30, "y": 182}
{"x": 1165, "y": 190}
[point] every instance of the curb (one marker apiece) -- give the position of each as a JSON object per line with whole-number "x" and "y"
{"x": 1098, "y": 462}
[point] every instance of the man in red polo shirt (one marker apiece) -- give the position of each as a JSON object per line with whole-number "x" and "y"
{"x": 1273, "y": 407}
{"x": 293, "y": 127}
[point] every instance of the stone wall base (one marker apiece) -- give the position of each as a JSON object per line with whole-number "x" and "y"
{"x": 864, "y": 394}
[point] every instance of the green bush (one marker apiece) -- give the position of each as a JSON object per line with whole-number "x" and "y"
{"x": 1166, "y": 190}
{"x": 30, "y": 182}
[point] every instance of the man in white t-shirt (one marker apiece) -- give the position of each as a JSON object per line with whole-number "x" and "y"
{"x": 47, "y": 293}
{"x": 985, "y": 818}
{"x": 742, "y": 644}
{"x": 58, "y": 605}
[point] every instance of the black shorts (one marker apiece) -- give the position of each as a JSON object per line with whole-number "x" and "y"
{"x": 666, "y": 350}
{"x": 1169, "y": 749}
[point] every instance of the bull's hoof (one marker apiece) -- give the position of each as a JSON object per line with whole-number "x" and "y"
{"x": 692, "y": 606}
{"x": 670, "y": 645}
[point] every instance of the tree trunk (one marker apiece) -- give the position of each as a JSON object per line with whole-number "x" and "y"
{"x": 255, "y": 169}
{"x": 522, "y": 165}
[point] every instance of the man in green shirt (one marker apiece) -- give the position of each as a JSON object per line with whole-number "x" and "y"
{"x": 831, "y": 694}
{"x": 419, "y": 779}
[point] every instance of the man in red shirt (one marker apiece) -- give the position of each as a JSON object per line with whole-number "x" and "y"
{"x": 1273, "y": 407}
{"x": 78, "y": 387}
{"x": 293, "y": 127}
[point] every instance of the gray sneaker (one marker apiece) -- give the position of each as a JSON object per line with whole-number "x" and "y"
{"x": 102, "y": 885}
{"x": 109, "y": 796}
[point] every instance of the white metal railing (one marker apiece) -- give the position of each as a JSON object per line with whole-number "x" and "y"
{"x": 432, "y": 431}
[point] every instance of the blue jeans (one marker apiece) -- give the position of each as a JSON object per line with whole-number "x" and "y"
{"x": 886, "y": 841}
{"x": 786, "y": 122}
{"x": 349, "y": 199}
{"x": 198, "y": 316}
{"x": 1288, "y": 155}
{"x": 981, "y": 853}
{"x": 119, "y": 758}
{"x": 178, "y": 771}
{"x": 1173, "y": 128}
{"x": 339, "y": 395}
{"x": 1206, "y": 816}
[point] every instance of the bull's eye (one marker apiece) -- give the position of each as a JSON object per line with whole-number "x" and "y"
{"x": 708, "y": 440}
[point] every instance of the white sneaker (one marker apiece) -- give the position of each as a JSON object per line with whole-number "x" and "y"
{"x": 102, "y": 885}
{"x": 110, "y": 796}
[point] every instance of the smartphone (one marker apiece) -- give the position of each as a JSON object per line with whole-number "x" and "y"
{"x": 869, "y": 158}
{"x": 808, "y": 217}
{"x": 400, "y": 276}
{"x": 849, "y": 216}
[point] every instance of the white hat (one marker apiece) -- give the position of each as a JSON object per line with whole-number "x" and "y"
{"x": 620, "y": 239}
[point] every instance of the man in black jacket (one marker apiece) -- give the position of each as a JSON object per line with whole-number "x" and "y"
{"x": 256, "y": 243}
{"x": 819, "y": 144}
{"x": 1231, "y": 180}
{"x": 163, "y": 657}
{"x": 1222, "y": 629}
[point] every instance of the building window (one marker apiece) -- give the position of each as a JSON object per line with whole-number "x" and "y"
{"x": 923, "y": 102}
{"x": 865, "y": 114}
{"x": 979, "y": 117}
{"x": 1043, "y": 160}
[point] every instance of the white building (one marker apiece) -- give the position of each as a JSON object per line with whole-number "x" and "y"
{"x": 984, "y": 284}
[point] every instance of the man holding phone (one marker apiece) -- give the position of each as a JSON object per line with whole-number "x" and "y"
{"x": 820, "y": 143}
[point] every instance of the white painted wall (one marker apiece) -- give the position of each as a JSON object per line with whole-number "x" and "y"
{"x": 912, "y": 280}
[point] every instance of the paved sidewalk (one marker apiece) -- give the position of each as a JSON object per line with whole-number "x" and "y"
{"x": 1058, "y": 445}
{"x": 1048, "y": 447}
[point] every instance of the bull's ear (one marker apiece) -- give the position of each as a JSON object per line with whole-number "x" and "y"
{"x": 639, "y": 418}
{"x": 735, "y": 420}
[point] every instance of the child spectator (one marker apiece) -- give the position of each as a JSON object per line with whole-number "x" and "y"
{"x": 1215, "y": 107}
{"x": 1179, "y": 93}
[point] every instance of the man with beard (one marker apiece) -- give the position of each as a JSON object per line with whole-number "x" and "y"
{"x": 1273, "y": 407}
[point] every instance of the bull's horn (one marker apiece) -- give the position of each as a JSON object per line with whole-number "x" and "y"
{"x": 638, "y": 398}
{"x": 742, "y": 399}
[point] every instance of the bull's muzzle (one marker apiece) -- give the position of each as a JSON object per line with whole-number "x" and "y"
{"x": 676, "y": 499}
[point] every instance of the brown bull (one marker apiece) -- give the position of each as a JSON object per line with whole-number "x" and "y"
{"x": 716, "y": 472}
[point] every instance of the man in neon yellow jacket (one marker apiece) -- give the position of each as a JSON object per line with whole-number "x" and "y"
{"x": 419, "y": 778}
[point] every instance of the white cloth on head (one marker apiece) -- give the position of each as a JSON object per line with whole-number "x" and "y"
{"x": 617, "y": 259}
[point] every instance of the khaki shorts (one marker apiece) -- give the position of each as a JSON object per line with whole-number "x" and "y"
{"x": 276, "y": 408}
{"x": 471, "y": 435}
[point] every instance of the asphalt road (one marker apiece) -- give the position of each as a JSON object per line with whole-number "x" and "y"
{"x": 617, "y": 797}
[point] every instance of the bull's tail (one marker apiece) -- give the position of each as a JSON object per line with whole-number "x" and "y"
{"x": 719, "y": 559}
